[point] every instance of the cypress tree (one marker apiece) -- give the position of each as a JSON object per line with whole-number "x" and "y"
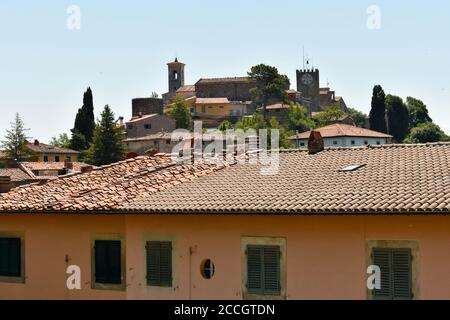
{"x": 83, "y": 130}
{"x": 377, "y": 115}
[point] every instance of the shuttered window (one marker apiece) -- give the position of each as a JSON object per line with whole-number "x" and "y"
{"x": 159, "y": 263}
{"x": 10, "y": 257}
{"x": 263, "y": 270}
{"x": 108, "y": 262}
{"x": 395, "y": 266}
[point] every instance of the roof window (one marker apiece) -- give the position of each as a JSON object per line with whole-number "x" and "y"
{"x": 352, "y": 167}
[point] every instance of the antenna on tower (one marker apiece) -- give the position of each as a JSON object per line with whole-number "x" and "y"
{"x": 303, "y": 58}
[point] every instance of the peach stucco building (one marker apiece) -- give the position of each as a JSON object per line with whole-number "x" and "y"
{"x": 149, "y": 228}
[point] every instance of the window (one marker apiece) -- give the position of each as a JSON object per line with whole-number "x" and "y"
{"x": 263, "y": 270}
{"x": 399, "y": 263}
{"x": 352, "y": 167}
{"x": 335, "y": 142}
{"x": 168, "y": 141}
{"x": 203, "y": 109}
{"x": 10, "y": 258}
{"x": 159, "y": 263}
{"x": 57, "y": 159}
{"x": 68, "y": 159}
{"x": 108, "y": 262}
{"x": 353, "y": 142}
{"x": 395, "y": 265}
{"x": 378, "y": 142}
{"x": 207, "y": 269}
{"x": 366, "y": 142}
{"x": 147, "y": 126}
{"x": 45, "y": 158}
{"x": 130, "y": 127}
{"x": 302, "y": 144}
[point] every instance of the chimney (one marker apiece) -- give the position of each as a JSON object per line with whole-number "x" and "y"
{"x": 68, "y": 165}
{"x": 315, "y": 142}
{"x": 86, "y": 169}
{"x": 36, "y": 142}
{"x": 5, "y": 184}
{"x": 121, "y": 121}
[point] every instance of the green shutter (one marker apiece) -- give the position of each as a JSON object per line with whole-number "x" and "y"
{"x": 272, "y": 270}
{"x": 10, "y": 257}
{"x": 108, "y": 262}
{"x": 263, "y": 270}
{"x": 159, "y": 263}
{"x": 382, "y": 259}
{"x": 254, "y": 269}
{"x": 396, "y": 274}
{"x": 401, "y": 270}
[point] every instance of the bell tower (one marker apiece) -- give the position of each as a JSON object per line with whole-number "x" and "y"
{"x": 176, "y": 75}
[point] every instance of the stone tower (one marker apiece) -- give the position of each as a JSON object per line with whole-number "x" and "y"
{"x": 308, "y": 83}
{"x": 176, "y": 75}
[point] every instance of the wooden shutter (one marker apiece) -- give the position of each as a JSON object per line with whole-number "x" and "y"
{"x": 401, "y": 274}
{"x": 382, "y": 259}
{"x": 255, "y": 269}
{"x": 108, "y": 262}
{"x": 395, "y": 266}
{"x": 271, "y": 270}
{"x": 159, "y": 263}
{"x": 263, "y": 270}
{"x": 10, "y": 257}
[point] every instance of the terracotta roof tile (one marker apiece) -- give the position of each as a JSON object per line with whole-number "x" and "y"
{"x": 395, "y": 179}
{"x": 340, "y": 129}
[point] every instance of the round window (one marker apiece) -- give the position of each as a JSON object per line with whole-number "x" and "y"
{"x": 207, "y": 269}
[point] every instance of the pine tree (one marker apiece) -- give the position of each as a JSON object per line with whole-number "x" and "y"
{"x": 83, "y": 130}
{"x": 397, "y": 117}
{"x": 107, "y": 146}
{"x": 377, "y": 116}
{"x": 15, "y": 143}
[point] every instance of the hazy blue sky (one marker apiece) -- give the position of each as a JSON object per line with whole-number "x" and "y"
{"x": 122, "y": 49}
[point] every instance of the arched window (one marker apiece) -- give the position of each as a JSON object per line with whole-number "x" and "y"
{"x": 175, "y": 75}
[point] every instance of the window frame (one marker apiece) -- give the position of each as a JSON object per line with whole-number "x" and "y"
{"x": 160, "y": 284}
{"x": 413, "y": 245}
{"x": 21, "y": 236}
{"x": 264, "y": 241}
{"x": 107, "y": 286}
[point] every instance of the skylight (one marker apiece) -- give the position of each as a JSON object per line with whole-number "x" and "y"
{"x": 352, "y": 167}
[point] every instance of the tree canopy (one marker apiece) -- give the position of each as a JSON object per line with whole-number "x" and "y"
{"x": 271, "y": 86}
{"x": 298, "y": 118}
{"x": 225, "y": 125}
{"x": 107, "y": 146}
{"x": 331, "y": 115}
{"x": 418, "y": 112}
{"x": 377, "y": 115}
{"x": 62, "y": 141}
{"x": 426, "y": 132}
{"x": 397, "y": 117}
{"x": 358, "y": 117}
{"x": 181, "y": 113}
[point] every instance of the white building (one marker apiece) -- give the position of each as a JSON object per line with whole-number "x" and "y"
{"x": 343, "y": 135}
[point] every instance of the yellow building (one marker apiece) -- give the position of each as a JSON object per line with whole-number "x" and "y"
{"x": 212, "y": 108}
{"x": 47, "y": 153}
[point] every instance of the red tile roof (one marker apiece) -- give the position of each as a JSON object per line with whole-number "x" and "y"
{"x": 393, "y": 179}
{"x": 212, "y": 100}
{"x": 46, "y": 148}
{"x": 225, "y": 80}
{"x": 341, "y": 130}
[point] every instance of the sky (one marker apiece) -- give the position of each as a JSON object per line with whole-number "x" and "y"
{"x": 122, "y": 47}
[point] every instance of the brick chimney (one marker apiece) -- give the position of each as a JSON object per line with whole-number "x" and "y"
{"x": 5, "y": 184}
{"x": 86, "y": 169}
{"x": 68, "y": 165}
{"x": 315, "y": 142}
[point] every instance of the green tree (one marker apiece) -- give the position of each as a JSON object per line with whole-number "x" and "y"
{"x": 359, "y": 118}
{"x": 181, "y": 113}
{"x": 14, "y": 146}
{"x": 331, "y": 115}
{"x": 426, "y": 132}
{"x": 107, "y": 146}
{"x": 418, "y": 112}
{"x": 377, "y": 115}
{"x": 285, "y": 143}
{"x": 255, "y": 121}
{"x": 225, "y": 125}
{"x": 62, "y": 141}
{"x": 397, "y": 117}
{"x": 298, "y": 119}
{"x": 84, "y": 123}
{"x": 270, "y": 85}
